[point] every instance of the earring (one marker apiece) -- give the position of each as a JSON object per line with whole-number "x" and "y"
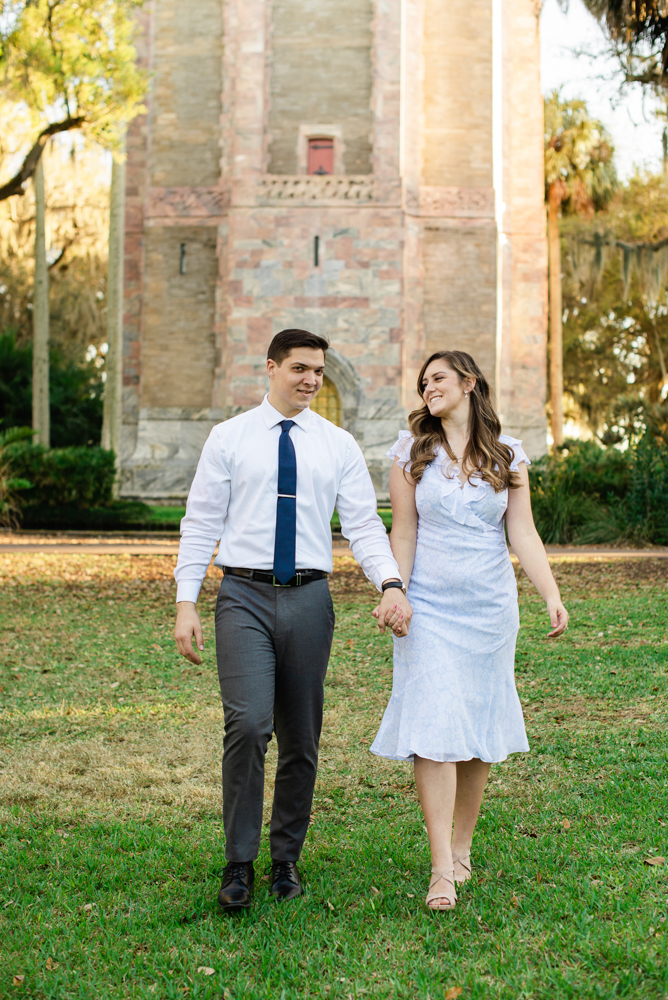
{"x": 466, "y": 393}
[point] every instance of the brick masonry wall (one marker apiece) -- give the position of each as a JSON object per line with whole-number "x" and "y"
{"x": 186, "y": 93}
{"x": 459, "y": 292}
{"x": 457, "y": 81}
{"x": 353, "y": 297}
{"x": 320, "y": 53}
{"x": 178, "y": 339}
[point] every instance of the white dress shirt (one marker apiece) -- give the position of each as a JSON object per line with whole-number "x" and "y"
{"x": 233, "y": 499}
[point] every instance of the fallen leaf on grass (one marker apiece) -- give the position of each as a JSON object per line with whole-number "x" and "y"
{"x": 206, "y": 970}
{"x": 566, "y": 824}
{"x": 655, "y": 861}
{"x": 364, "y": 741}
{"x": 514, "y": 901}
{"x": 374, "y": 890}
{"x": 114, "y": 685}
{"x": 159, "y": 648}
{"x": 330, "y": 906}
{"x": 539, "y": 877}
{"x": 50, "y": 964}
{"x": 17, "y": 980}
{"x": 87, "y": 907}
{"x": 454, "y": 991}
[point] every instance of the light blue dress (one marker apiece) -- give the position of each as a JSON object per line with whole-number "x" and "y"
{"x": 453, "y": 692}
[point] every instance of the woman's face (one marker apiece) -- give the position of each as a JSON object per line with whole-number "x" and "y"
{"x": 442, "y": 389}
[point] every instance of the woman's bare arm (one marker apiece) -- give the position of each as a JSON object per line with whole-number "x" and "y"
{"x": 403, "y": 537}
{"x": 530, "y": 551}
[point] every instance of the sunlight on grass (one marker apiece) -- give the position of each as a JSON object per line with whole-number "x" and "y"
{"x": 110, "y": 807}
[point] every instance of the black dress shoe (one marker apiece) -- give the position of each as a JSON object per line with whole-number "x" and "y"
{"x": 237, "y": 886}
{"x": 286, "y": 881}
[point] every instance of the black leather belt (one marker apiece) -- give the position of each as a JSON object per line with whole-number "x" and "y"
{"x": 301, "y": 577}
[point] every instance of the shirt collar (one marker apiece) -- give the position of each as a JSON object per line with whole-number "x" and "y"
{"x": 272, "y": 417}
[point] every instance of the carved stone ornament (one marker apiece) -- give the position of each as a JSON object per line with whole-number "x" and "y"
{"x": 450, "y": 202}
{"x": 330, "y": 188}
{"x": 187, "y": 202}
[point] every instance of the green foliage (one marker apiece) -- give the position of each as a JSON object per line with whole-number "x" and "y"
{"x": 64, "y": 477}
{"x": 73, "y": 55}
{"x": 579, "y": 167}
{"x": 585, "y": 494}
{"x": 11, "y": 485}
{"x": 121, "y": 515}
{"x": 647, "y": 501}
{"x": 616, "y": 313}
{"x": 76, "y": 391}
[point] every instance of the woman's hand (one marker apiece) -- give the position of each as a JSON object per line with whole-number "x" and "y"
{"x": 558, "y": 618}
{"x": 394, "y": 611}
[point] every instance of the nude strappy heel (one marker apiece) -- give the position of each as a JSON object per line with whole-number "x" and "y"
{"x": 465, "y": 861}
{"x": 447, "y": 876}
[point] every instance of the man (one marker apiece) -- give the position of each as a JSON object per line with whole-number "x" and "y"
{"x": 266, "y": 486}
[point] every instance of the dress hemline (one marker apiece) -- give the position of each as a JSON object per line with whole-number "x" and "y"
{"x": 446, "y": 760}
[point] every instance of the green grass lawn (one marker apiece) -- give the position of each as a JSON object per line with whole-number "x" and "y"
{"x": 110, "y": 807}
{"x": 170, "y": 517}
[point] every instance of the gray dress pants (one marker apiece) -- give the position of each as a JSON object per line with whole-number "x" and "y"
{"x": 272, "y": 646}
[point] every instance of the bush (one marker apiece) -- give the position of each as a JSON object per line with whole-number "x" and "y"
{"x": 75, "y": 389}
{"x": 79, "y": 478}
{"x": 11, "y": 485}
{"x": 122, "y": 515}
{"x": 585, "y": 494}
{"x": 647, "y": 498}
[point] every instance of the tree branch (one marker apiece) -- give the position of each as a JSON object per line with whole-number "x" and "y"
{"x": 29, "y": 165}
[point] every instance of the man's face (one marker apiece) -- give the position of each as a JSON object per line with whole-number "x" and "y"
{"x": 297, "y": 380}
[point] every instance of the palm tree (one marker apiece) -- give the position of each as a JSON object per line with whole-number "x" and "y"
{"x": 580, "y": 177}
{"x": 637, "y": 34}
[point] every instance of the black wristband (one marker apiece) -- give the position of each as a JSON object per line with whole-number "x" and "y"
{"x": 393, "y": 583}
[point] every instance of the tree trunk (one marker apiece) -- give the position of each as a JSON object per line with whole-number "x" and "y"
{"x": 556, "y": 341}
{"x": 112, "y": 421}
{"x": 40, "y": 317}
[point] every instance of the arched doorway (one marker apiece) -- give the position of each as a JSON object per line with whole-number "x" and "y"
{"x": 328, "y": 403}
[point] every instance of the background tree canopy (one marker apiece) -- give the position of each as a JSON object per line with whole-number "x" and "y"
{"x": 72, "y": 64}
{"x": 616, "y": 313}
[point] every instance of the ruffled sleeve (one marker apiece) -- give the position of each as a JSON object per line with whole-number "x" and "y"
{"x": 519, "y": 454}
{"x": 401, "y": 450}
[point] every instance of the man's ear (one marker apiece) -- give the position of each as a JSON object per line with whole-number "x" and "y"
{"x": 271, "y": 367}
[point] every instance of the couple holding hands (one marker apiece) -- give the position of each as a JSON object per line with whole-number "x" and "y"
{"x": 266, "y": 486}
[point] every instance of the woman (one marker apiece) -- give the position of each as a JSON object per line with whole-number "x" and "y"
{"x": 454, "y": 708}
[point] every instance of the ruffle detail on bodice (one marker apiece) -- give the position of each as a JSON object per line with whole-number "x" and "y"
{"x": 458, "y": 498}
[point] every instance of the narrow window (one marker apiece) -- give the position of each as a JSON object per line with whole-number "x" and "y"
{"x": 321, "y": 156}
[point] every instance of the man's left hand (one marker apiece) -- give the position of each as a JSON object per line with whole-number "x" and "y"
{"x": 394, "y": 612}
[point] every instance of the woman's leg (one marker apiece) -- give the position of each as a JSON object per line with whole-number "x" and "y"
{"x": 471, "y": 780}
{"x": 436, "y": 783}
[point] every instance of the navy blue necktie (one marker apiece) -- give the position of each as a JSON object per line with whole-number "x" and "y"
{"x": 286, "y": 507}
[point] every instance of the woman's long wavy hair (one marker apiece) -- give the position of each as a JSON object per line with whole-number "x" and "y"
{"x": 485, "y": 455}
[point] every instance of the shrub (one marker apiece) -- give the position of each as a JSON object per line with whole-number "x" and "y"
{"x": 11, "y": 499}
{"x": 63, "y": 477}
{"x": 121, "y": 515}
{"x": 647, "y": 498}
{"x": 75, "y": 390}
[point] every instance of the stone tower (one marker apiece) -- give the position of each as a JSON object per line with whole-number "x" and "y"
{"x": 371, "y": 170}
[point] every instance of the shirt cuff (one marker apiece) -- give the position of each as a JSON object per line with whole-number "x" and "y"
{"x": 188, "y": 590}
{"x": 387, "y": 571}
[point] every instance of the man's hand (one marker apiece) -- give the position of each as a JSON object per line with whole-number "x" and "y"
{"x": 394, "y": 611}
{"x": 187, "y": 626}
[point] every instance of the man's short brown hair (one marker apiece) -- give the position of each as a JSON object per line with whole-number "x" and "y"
{"x": 287, "y": 340}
